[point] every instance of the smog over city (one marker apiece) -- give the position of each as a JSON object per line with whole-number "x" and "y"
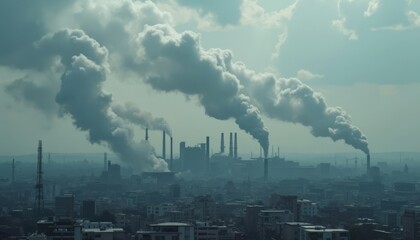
{"x": 209, "y": 120}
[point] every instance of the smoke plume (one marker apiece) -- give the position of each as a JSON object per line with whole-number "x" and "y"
{"x": 169, "y": 61}
{"x": 290, "y": 100}
{"x": 134, "y": 115}
{"x": 81, "y": 95}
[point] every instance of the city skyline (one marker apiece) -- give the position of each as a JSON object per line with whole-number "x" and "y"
{"x": 359, "y": 56}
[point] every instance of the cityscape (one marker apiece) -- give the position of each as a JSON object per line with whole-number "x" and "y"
{"x": 209, "y": 120}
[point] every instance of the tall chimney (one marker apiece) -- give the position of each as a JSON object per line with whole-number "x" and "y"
{"x": 13, "y": 170}
{"x": 367, "y": 164}
{"x": 265, "y": 169}
{"x": 164, "y": 145}
{"x": 105, "y": 161}
{"x": 235, "y": 147}
{"x": 222, "y": 143}
{"x": 230, "y": 146}
{"x": 265, "y": 166}
{"x": 171, "y": 164}
{"x": 39, "y": 183}
{"x": 207, "y": 153}
{"x": 147, "y": 134}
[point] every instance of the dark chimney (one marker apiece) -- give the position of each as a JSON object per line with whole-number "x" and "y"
{"x": 230, "y": 146}
{"x": 235, "y": 147}
{"x": 367, "y": 164}
{"x": 171, "y": 164}
{"x": 265, "y": 169}
{"x": 164, "y": 145}
{"x": 222, "y": 143}
{"x": 147, "y": 134}
{"x": 207, "y": 153}
{"x": 105, "y": 161}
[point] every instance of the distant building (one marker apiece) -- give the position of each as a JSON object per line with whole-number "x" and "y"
{"x": 251, "y": 220}
{"x": 306, "y": 209}
{"x": 64, "y": 205}
{"x": 206, "y": 231}
{"x": 411, "y": 223}
{"x": 88, "y": 209}
{"x": 160, "y": 210}
{"x": 193, "y": 158}
{"x": 167, "y": 231}
{"x": 285, "y": 202}
{"x": 268, "y": 221}
{"x": 322, "y": 233}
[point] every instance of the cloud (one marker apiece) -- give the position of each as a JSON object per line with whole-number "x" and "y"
{"x": 303, "y": 74}
{"x": 340, "y": 25}
{"x": 372, "y": 8}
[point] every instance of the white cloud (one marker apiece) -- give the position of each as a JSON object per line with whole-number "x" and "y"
{"x": 254, "y": 14}
{"x": 340, "y": 25}
{"x": 282, "y": 39}
{"x": 303, "y": 74}
{"x": 372, "y": 8}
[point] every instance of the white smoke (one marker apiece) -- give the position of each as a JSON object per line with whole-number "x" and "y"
{"x": 169, "y": 61}
{"x": 134, "y": 115}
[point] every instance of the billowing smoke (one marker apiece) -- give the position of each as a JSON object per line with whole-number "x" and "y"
{"x": 176, "y": 62}
{"x": 292, "y": 101}
{"x": 37, "y": 94}
{"x": 131, "y": 113}
{"x": 81, "y": 95}
{"x": 169, "y": 61}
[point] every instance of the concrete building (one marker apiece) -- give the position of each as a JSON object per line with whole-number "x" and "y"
{"x": 322, "y": 233}
{"x": 64, "y": 205}
{"x": 251, "y": 220}
{"x": 306, "y": 209}
{"x": 167, "y": 231}
{"x": 268, "y": 221}
{"x": 206, "y": 231}
{"x": 291, "y": 230}
{"x": 285, "y": 202}
{"x": 160, "y": 210}
{"x": 88, "y": 209}
{"x": 411, "y": 223}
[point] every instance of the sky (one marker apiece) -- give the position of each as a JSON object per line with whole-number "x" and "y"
{"x": 307, "y": 76}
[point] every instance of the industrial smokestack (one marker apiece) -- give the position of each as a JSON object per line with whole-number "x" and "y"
{"x": 105, "y": 161}
{"x": 147, "y": 134}
{"x": 265, "y": 169}
{"x": 235, "y": 147}
{"x": 164, "y": 145}
{"x": 13, "y": 171}
{"x": 367, "y": 164}
{"x": 222, "y": 143}
{"x": 265, "y": 166}
{"x": 207, "y": 153}
{"x": 39, "y": 185}
{"x": 230, "y": 145}
{"x": 171, "y": 164}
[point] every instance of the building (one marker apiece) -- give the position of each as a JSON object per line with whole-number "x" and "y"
{"x": 193, "y": 158}
{"x": 61, "y": 228}
{"x": 160, "y": 210}
{"x": 167, "y": 231}
{"x": 205, "y": 231}
{"x": 268, "y": 221}
{"x": 322, "y": 233}
{"x": 285, "y": 202}
{"x": 411, "y": 223}
{"x": 88, "y": 209}
{"x": 291, "y": 230}
{"x": 251, "y": 220}
{"x": 306, "y": 209}
{"x": 64, "y": 205}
